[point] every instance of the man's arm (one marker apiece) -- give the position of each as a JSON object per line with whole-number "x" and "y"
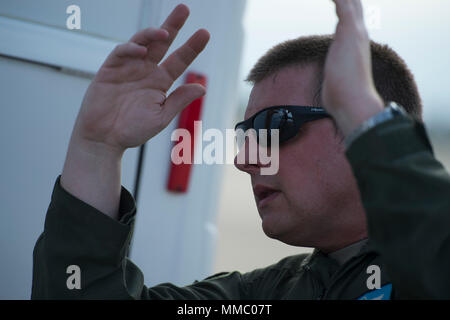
{"x": 124, "y": 106}
{"x": 405, "y": 193}
{"x": 404, "y": 189}
{"x": 82, "y": 254}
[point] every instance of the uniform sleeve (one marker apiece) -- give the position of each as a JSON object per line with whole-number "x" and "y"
{"x": 80, "y": 242}
{"x": 405, "y": 192}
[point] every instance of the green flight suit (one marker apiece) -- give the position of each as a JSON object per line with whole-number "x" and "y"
{"x": 404, "y": 190}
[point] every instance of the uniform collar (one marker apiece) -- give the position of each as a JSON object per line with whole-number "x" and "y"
{"x": 348, "y": 252}
{"x": 341, "y": 256}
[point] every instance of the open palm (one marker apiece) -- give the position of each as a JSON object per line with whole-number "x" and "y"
{"x": 126, "y": 103}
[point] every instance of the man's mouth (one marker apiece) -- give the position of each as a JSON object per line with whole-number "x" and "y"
{"x": 264, "y": 195}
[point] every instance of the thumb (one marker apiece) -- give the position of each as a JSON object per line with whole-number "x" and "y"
{"x": 182, "y": 97}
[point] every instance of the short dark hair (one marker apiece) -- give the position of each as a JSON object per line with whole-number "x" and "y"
{"x": 392, "y": 77}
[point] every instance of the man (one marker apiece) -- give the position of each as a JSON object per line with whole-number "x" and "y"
{"x": 362, "y": 187}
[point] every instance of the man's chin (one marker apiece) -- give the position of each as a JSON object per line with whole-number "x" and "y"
{"x": 271, "y": 228}
{"x": 275, "y": 229}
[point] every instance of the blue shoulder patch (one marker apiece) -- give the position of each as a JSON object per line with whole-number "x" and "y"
{"x": 384, "y": 293}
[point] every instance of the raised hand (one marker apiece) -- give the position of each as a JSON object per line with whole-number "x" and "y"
{"x": 126, "y": 104}
{"x": 349, "y": 92}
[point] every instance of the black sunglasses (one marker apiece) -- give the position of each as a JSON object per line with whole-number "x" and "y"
{"x": 287, "y": 119}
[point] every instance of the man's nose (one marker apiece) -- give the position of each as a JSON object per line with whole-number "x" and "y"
{"x": 247, "y": 159}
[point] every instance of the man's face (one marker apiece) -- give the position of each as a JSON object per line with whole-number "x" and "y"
{"x": 313, "y": 200}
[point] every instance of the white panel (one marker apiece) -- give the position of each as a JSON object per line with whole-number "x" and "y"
{"x": 114, "y": 19}
{"x": 62, "y": 48}
{"x": 38, "y": 109}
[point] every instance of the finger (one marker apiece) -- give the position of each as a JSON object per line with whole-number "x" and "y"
{"x": 130, "y": 50}
{"x": 181, "y": 97}
{"x": 148, "y": 35}
{"x": 180, "y": 59}
{"x": 360, "y": 23}
{"x": 124, "y": 51}
{"x": 351, "y": 19}
{"x": 359, "y": 9}
{"x": 172, "y": 25}
{"x": 345, "y": 11}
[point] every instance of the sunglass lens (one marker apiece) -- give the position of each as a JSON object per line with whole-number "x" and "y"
{"x": 280, "y": 119}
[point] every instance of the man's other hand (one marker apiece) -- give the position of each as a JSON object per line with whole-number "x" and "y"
{"x": 349, "y": 93}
